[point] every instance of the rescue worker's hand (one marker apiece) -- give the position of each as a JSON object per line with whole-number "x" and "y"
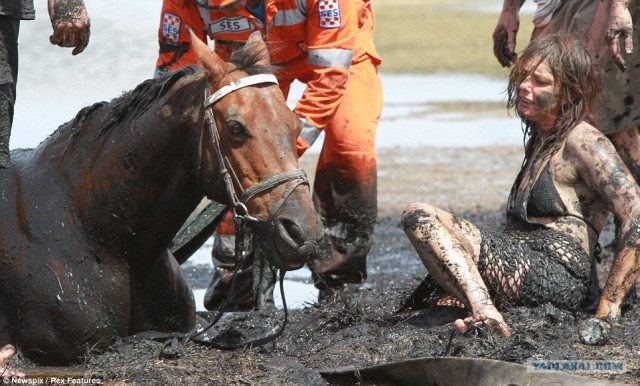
{"x": 504, "y": 37}
{"x": 307, "y": 136}
{"x": 71, "y": 24}
{"x": 7, "y": 372}
{"x": 620, "y": 25}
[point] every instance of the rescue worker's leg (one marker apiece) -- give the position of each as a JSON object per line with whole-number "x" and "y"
{"x": 9, "y": 29}
{"x": 255, "y": 279}
{"x": 8, "y": 74}
{"x": 345, "y": 187}
{"x": 627, "y": 144}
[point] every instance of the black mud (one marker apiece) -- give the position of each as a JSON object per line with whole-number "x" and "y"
{"x": 360, "y": 328}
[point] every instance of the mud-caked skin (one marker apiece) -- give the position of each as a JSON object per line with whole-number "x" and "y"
{"x": 583, "y": 174}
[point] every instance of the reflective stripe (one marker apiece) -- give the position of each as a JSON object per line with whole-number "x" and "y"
{"x": 159, "y": 72}
{"x": 309, "y": 133}
{"x": 288, "y": 17}
{"x": 302, "y": 6}
{"x": 205, "y": 14}
{"x": 331, "y": 57}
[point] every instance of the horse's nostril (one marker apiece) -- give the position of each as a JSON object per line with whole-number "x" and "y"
{"x": 293, "y": 230}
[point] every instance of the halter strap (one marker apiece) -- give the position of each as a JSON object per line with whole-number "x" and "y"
{"x": 238, "y": 84}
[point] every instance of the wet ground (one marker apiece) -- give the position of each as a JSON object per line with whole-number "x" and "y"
{"x": 427, "y": 124}
{"x": 361, "y": 327}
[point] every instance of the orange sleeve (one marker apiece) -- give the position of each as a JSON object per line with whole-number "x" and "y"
{"x": 175, "y": 44}
{"x": 331, "y": 32}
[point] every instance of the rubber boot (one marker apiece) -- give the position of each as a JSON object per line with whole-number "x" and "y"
{"x": 220, "y": 288}
{"x": 264, "y": 279}
{"x": 223, "y": 257}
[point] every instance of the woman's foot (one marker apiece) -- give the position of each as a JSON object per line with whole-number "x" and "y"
{"x": 6, "y": 353}
{"x": 489, "y": 316}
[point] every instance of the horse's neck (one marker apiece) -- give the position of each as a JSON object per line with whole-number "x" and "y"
{"x": 139, "y": 179}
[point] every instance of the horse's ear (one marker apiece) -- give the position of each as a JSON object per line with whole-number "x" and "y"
{"x": 210, "y": 61}
{"x": 258, "y": 45}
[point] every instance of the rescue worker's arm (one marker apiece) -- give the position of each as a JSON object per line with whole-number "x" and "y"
{"x": 620, "y": 25}
{"x": 71, "y": 24}
{"x": 175, "y": 44}
{"x": 331, "y": 35}
{"x": 504, "y": 35}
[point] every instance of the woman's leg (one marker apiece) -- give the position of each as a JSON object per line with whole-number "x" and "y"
{"x": 449, "y": 248}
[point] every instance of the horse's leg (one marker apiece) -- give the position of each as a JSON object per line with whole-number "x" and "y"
{"x": 162, "y": 299}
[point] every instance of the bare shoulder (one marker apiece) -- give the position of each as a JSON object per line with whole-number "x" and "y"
{"x": 585, "y": 138}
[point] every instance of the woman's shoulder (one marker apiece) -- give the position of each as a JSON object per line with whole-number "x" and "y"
{"x": 585, "y": 136}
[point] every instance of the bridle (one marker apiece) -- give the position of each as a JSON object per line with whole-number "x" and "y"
{"x": 239, "y": 205}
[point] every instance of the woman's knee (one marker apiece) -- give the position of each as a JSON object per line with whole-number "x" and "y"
{"x": 415, "y": 214}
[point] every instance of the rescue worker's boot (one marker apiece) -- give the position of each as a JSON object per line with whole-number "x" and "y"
{"x": 264, "y": 279}
{"x": 255, "y": 279}
{"x": 223, "y": 258}
{"x": 343, "y": 266}
{"x": 220, "y": 288}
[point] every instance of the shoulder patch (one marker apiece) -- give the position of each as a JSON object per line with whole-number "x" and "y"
{"x": 171, "y": 28}
{"x": 329, "y": 11}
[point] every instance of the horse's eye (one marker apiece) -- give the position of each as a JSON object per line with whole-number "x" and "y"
{"x": 237, "y": 129}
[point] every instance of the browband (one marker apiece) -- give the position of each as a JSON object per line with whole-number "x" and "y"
{"x": 237, "y": 84}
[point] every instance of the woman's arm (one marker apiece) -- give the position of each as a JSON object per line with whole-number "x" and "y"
{"x": 600, "y": 167}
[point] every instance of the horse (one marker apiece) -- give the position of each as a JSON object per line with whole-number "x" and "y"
{"x": 87, "y": 216}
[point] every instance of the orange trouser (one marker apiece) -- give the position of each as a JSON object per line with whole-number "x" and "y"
{"x": 345, "y": 186}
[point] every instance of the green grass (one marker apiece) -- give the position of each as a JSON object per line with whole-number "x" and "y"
{"x": 432, "y": 36}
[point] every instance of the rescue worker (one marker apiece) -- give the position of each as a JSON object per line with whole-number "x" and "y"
{"x": 328, "y": 45}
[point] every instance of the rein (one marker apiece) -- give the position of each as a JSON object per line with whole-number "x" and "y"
{"x": 175, "y": 346}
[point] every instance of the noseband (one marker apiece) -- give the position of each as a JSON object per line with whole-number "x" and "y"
{"x": 239, "y": 205}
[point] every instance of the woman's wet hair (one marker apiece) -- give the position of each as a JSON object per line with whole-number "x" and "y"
{"x": 570, "y": 64}
{"x": 576, "y": 92}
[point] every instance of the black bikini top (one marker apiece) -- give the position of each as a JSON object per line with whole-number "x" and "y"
{"x": 544, "y": 199}
{"x": 541, "y": 200}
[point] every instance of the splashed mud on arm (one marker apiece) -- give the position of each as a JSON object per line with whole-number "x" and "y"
{"x": 600, "y": 166}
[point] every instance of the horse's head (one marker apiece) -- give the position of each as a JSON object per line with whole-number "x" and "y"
{"x": 250, "y": 132}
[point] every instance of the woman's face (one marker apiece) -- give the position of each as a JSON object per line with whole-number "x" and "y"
{"x": 537, "y": 101}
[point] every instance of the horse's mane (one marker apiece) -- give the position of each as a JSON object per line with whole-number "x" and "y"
{"x": 134, "y": 103}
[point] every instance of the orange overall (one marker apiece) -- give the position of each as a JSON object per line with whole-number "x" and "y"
{"x": 328, "y": 45}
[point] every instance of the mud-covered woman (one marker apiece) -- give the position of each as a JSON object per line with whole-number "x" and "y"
{"x": 570, "y": 179}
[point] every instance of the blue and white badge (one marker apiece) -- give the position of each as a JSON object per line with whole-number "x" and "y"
{"x": 230, "y": 24}
{"x": 329, "y": 11}
{"x": 171, "y": 28}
